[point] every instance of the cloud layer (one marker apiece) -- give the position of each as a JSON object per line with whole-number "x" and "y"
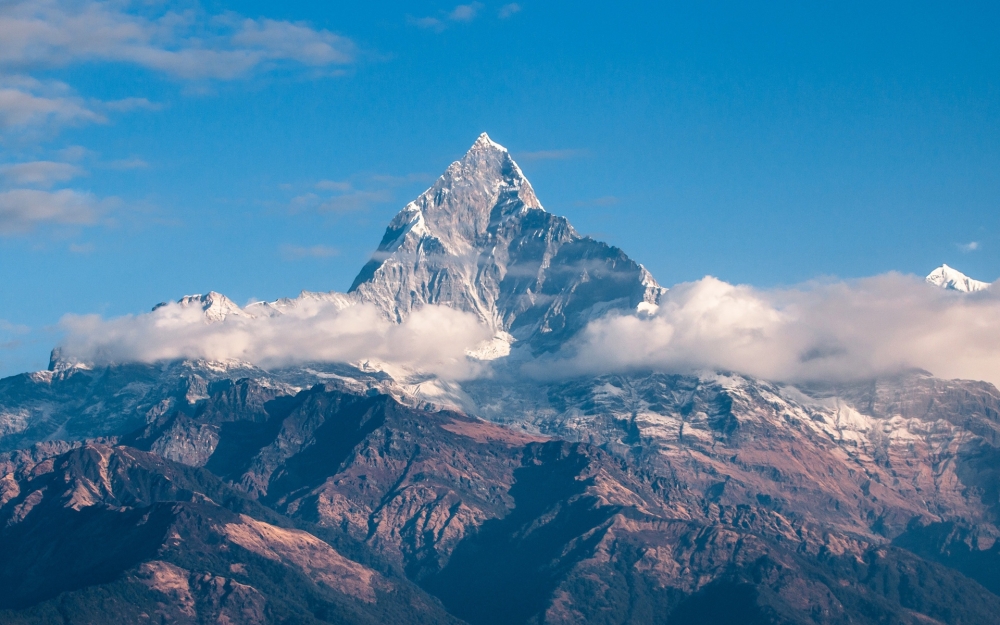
{"x": 434, "y": 339}
{"x": 839, "y": 331}
{"x": 824, "y": 332}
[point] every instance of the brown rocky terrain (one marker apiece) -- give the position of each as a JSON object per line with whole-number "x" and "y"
{"x": 475, "y": 513}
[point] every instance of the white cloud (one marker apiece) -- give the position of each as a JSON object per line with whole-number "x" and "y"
{"x": 433, "y": 339}
{"x": 21, "y": 210}
{"x": 552, "y": 155}
{"x": 41, "y": 173}
{"x": 839, "y": 331}
{"x": 29, "y": 103}
{"x": 508, "y": 10}
{"x": 333, "y": 185}
{"x": 75, "y": 153}
{"x": 128, "y": 163}
{"x": 971, "y": 246}
{"x": 298, "y": 252}
{"x": 343, "y": 203}
{"x": 126, "y": 105}
{"x": 465, "y": 12}
{"x": 603, "y": 201}
{"x": 461, "y": 13}
{"x": 189, "y": 44}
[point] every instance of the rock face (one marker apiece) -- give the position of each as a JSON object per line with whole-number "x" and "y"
{"x": 101, "y": 531}
{"x": 190, "y": 492}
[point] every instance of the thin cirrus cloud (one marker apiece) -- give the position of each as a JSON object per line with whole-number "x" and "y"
{"x": 971, "y": 246}
{"x": 599, "y": 202}
{"x": 125, "y": 164}
{"x": 827, "y": 332}
{"x": 40, "y": 173}
{"x": 350, "y": 201}
{"x": 552, "y": 155}
{"x": 299, "y": 252}
{"x": 509, "y": 10}
{"x": 462, "y": 13}
{"x": 126, "y": 105}
{"x": 23, "y": 210}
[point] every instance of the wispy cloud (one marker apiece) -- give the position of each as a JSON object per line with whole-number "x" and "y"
{"x": 128, "y": 163}
{"x": 395, "y": 181}
{"x": 358, "y": 200}
{"x": 971, "y": 246}
{"x": 190, "y": 44}
{"x": 552, "y": 155}
{"x": 509, "y": 10}
{"x": 603, "y": 201}
{"x": 27, "y": 103}
{"x": 333, "y": 185}
{"x": 298, "y": 252}
{"x": 75, "y": 153}
{"x": 81, "y": 248}
{"x": 462, "y": 13}
{"x": 40, "y": 173}
{"x": 21, "y": 210}
{"x": 13, "y": 328}
{"x": 465, "y": 12}
{"x": 126, "y": 105}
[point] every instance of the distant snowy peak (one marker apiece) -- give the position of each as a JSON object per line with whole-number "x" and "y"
{"x": 215, "y": 305}
{"x": 954, "y": 280}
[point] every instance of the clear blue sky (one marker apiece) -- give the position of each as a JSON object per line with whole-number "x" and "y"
{"x": 763, "y": 143}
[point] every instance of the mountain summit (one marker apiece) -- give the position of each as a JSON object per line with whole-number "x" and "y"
{"x": 479, "y": 240}
{"x": 954, "y": 280}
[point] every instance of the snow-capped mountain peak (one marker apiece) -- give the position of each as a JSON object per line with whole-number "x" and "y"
{"x": 479, "y": 240}
{"x": 954, "y": 280}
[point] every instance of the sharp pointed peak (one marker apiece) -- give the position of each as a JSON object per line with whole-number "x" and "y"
{"x": 484, "y": 142}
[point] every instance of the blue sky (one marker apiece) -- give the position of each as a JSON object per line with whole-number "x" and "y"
{"x": 151, "y": 150}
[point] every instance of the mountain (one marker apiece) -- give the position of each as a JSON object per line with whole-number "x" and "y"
{"x": 954, "y": 280}
{"x": 478, "y": 240}
{"x": 195, "y": 491}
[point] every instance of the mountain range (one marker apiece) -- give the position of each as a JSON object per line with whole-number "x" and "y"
{"x": 193, "y": 491}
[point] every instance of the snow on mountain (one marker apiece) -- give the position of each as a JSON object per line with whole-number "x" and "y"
{"x": 216, "y": 306}
{"x": 954, "y": 280}
{"x": 480, "y": 241}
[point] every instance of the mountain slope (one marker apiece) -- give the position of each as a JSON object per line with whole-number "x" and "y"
{"x": 145, "y": 535}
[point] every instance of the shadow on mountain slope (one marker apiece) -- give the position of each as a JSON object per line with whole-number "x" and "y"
{"x": 528, "y": 552}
